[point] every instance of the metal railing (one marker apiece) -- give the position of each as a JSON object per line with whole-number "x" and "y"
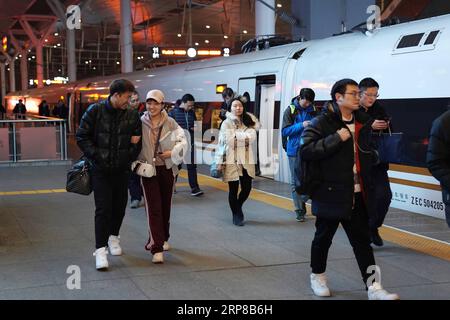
{"x": 32, "y": 138}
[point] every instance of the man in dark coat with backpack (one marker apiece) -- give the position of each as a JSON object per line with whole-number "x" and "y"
{"x": 296, "y": 118}
{"x": 338, "y": 145}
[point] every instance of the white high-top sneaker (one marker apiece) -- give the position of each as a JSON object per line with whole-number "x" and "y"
{"x": 114, "y": 245}
{"x": 101, "y": 262}
{"x": 158, "y": 257}
{"x": 376, "y": 292}
{"x": 166, "y": 246}
{"x": 319, "y": 285}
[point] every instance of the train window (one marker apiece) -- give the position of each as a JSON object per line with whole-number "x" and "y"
{"x": 431, "y": 37}
{"x": 411, "y": 40}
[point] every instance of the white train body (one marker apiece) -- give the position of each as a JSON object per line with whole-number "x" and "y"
{"x": 413, "y": 71}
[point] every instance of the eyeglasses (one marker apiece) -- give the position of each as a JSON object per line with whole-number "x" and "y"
{"x": 354, "y": 94}
{"x": 371, "y": 95}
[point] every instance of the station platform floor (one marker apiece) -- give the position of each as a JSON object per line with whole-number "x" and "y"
{"x": 44, "y": 230}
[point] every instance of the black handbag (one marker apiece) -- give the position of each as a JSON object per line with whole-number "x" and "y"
{"x": 79, "y": 179}
{"x": 390, "y": 146}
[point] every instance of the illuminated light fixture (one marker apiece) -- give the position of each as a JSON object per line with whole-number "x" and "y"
{"x": 17, "y": 58}
{"x": 206, "y": 41}
{"x": 192, "y": 53}
{"x": 180, "y": 52}
{"x": 87, "y": 62}
{"x": 48, "y": 82}
{"x": 55, "y": 47}
{"x": 94, "y": 68}
{"x": 245, "y": 31}
{"x": 179, "y": 35}
{"x": 33, "y": 57}
{"x": 29, "y": 59}
{"x": 29, "y": 50}
{"x": 59, "y": 44}
{"x": 279, "y": 5}
{"x": 207, "y": 27}
{"x": 59, "y": 70}
{"x": 56, "y": 34}
{"x": 90, "y": 61}
{"x": 46, "y": 40}
{"x": 220, "y": 88}
{"x": 5, "y": 43}
{"x": 196, "y": 43}
{"x": 117, "y": 62}
{"x": 209, "y": 52}
{"x": 225, "y": 37}
{"x": 8, "y": 69}
{"x": 20, "y": 56}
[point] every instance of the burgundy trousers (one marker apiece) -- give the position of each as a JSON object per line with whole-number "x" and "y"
{"x": 158, "y": 192}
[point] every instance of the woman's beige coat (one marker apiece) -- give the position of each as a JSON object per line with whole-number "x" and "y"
{"x": 237, "y": 147}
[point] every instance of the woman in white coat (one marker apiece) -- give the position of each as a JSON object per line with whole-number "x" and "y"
{"x": 162, "y": 134}
{"x": 236, "y": 155}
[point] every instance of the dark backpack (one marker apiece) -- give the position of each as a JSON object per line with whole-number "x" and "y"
{"x": 308, "y": 176}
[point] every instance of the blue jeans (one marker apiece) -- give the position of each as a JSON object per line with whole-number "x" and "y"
{"x": 299, "y": 204}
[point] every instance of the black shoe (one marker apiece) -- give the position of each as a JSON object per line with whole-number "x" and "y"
{"x": 300, "y": 215}
{"x": 196, "y": 192}
{"x": 237, "y": 220}
{"x": 375, "y": 238}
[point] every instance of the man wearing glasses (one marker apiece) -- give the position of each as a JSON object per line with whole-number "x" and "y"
{"x": 369, "y": 104}
{"x": 337, "y": 144}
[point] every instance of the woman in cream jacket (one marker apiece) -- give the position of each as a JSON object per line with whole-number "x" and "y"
{"x": 237, "y": 155}
{"x": 158, "y": 189}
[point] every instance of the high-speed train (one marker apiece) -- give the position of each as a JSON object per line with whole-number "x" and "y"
{"x": 410, "y": 61}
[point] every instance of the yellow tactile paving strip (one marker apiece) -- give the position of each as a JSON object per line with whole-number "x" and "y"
{"x": 403, "y": 238}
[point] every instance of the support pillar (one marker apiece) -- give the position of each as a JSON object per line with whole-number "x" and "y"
{"x": 37, "y": 42}
{"x": 12, "y": 74}
{"x": 3, "y": 81}
{"x": 59, "y": 10}
{"x": 22, "y": 51}
{"x": 126, "y": 40}
{"x": 265, "y": 18}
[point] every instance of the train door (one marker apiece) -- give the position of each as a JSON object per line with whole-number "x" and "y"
{"x": 266, "y": 111}
{"x": 248, "y": 85}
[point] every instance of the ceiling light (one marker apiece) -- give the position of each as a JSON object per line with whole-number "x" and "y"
{"x": 206, "y": 41}
{"x": 207, "y": 26}
{"x": 55, "y": 47}
{"x": 87, "y": 62}
{"x": 29, "y": 59}
{"x": 196, "y": 43}
{"x": 225, "y": 36}
{"x": 33, "y": 57}
{"x": 59, "y": 44}
{"x": 191, "y": 52}
{"x": 46, "y": 40}
{"x": 56, "y": 34}
{"x": 20, "y": 56}
{"x": 117, "y": 62}
{"x": 245, "y": 31}
{"x": 279, "y": 5}
{"x": 179, "y": 35}
{"x": 93, "y": 68}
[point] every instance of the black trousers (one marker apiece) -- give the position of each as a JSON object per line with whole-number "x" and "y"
{"x": 357, "y": 230}
{"x": 111, "y": 196}
{"x": 192, "y": 170}
{"x": 236, "y": 201}
{"x": 383, "y": 196}
{"x": 134, "y": 185}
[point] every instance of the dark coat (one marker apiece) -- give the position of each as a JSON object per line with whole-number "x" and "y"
{"x": 20, "y": 108}
{"x": 333, "y": 159}
{"x": 105, "y": 134}
{"x": 184, "y": 119}
{"x": 438, "y": 154}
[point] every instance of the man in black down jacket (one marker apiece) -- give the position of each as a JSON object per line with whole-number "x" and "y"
{"x": 381, "y": 123}
{"x": 438, "y": 157}
{"x": 109, "y": 136}
{"x": 338, "y": 142}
